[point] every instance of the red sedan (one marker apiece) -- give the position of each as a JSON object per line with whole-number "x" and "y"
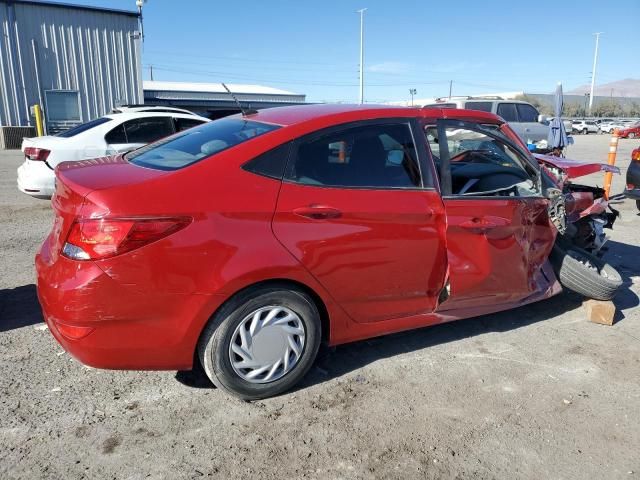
{"x": 248, "y": 241}
{"x": 630, "y": 132}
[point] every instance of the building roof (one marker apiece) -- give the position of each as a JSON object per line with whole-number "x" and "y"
{"x": 236, "y": 88}
{"x": 71, "y": 5}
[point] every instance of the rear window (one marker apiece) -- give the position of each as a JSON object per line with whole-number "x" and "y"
{"x": 482, "y": 106}
{"x": 192, "y": 145}
{"x": 72, "y": 132}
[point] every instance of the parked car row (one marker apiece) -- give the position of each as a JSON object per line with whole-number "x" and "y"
{"x": 244, "y": 243}
{"x": 129, "y": 128}
{"x": 626, "y": 128}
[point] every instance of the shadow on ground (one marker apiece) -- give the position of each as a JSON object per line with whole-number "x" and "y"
{"x": 335, "y": 362}
{"x": 19, "y": 307}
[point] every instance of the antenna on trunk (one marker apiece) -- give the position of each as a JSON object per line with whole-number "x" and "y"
{"x": 245, "y": 112}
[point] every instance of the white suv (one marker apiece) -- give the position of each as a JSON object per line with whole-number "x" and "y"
{"x": 585, "y": 126}
{"x": 522, "y": 117}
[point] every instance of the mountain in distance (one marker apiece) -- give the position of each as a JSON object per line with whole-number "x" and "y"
{"x": 629, "y": 87}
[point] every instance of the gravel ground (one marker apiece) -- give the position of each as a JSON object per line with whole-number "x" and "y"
{"x": 537, "y": 392}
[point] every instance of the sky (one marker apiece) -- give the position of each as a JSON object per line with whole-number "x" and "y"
{"x": 312, "y": 47}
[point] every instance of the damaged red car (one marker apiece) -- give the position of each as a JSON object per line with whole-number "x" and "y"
{"x": 245, "y": 243}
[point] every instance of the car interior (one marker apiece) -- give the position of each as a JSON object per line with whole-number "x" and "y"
{"x": 481, "y": 165}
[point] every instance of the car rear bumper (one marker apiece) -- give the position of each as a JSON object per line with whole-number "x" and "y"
{"x": 36, "y": 179}
{"x": 106, "y": 323}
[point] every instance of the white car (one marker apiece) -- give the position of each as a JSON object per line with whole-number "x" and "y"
{"x": 585, "y": 126}
{"x": 149, "y": 108}
{"x": 113, "y": 133}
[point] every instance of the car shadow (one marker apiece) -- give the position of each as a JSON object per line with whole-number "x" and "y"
{"x": 336, "y": 362}
{"x": 19, "y": 307}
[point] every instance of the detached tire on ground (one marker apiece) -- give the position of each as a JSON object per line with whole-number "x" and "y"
{"x": 585, "y": 274}
{"x": 261, "y": 342}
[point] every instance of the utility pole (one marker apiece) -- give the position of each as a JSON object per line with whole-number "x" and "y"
{"x": 450, "y": 88}
{"x": 593, "y": 72}
{"x": 140, "y": 4}
{"x": 412, "y": 92}
{"x": 361, "y": 12}
{"x": 151, "y": 71}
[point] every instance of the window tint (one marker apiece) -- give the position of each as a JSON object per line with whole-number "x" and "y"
{"x": 508, "y": 112}
{"x": 186, "y": 123}
{"x": 482, "y": 106}
{"x": 270, "y": 164}
{"x": 481, "y": 164}
{"x": 526, "y": 113}
{"x": 441, "y": 105}
{"x": 367, "y": 156}
{"x": 72, "y": 132}
{"x": 197, "y": 143}
{"x": 116, "y": 136}
{"x": 146, "y": 130}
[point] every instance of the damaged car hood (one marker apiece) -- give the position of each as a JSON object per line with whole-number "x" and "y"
{"x": 574, "y": 168}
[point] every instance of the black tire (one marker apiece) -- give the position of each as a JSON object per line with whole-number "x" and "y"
{"x": 638, "y": 204}
{"x": 214, "y": 344}
{"x": 583, "y": 273}
{"x": 632, "y": 135}
{"x": 585, "y": 131}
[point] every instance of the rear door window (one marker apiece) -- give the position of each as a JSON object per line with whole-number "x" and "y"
{"x": 197, "y": 143}
{"x": 146, "y": 130}
{"x": 482, "y": 106}
{"x": 526, "y": 113}
{"x": 508, "y": 112}
{"x": 374, "y": 156}
{"x": 186, "y": 123}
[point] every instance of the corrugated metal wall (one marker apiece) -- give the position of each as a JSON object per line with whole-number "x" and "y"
{"x": 46, "y": 47}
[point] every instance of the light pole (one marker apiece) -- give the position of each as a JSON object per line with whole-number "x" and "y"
{"x": 593, "y": 72}
{"x": 140, "y": 4}
{"x": 361, "y": 12}
{"x": 412, "y": 92}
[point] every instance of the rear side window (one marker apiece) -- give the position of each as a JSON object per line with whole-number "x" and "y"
{"x": 441, "y": 105}
{"x": 197, "y": 143}
{"x": 508, "y": 112}
{"x": 375, "y": 156}
{"x": 482, "y": 106}
{"x": 270, "y": 164}
{"x": 72, "y": 132}
{"x": 116, "y": 136}
{"x": 526, "y": 113}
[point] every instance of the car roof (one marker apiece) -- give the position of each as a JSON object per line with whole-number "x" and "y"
{"x": 129, "y": 115}
{"x": 338, "y": 113}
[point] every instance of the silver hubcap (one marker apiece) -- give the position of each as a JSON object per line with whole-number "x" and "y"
{"x": 267, "y": 344}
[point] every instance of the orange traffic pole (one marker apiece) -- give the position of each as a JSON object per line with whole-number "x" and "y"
{"x": 611, "y": 160}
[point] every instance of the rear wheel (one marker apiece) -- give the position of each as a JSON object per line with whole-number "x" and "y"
{"x": 632, "y": 135}
{"x": 585, "y": 274}
{"x": 261, "y": 342}
{"x": 638, "y": 204}
{"x": 585, "y": 131}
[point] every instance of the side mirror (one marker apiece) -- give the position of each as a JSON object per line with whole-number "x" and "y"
{"x": 542, "y": 119}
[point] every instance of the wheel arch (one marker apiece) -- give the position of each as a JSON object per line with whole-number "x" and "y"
{"x": 325, "y": 323}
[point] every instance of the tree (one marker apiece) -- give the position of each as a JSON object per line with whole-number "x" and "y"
{"x": 608, "y": 108}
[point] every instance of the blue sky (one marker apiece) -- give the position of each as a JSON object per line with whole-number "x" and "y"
{"x": 312, "y": 47}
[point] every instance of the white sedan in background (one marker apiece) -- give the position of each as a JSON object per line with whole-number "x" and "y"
{"x": 113, "y": 133}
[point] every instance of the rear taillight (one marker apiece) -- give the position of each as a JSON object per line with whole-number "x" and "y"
{"x": 95, "y": 239}
{"x": 635, "y": 155}
{"x": 35, "y": 153}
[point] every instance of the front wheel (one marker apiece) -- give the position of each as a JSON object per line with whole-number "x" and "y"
{"x": 632, "y": 135}
{"x": 585, "y": 131}
{"x": 638, "y": 204}
{"x": 261, "y": 342}
{"x": 585, "y": 274}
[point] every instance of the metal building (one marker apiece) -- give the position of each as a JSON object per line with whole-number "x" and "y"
{"x": 212, "y": 99}
{"x": 77, "y": 62}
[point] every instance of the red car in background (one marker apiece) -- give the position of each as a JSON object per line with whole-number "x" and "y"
{"x": 246, "y": 242}
{"x": 630, "y": 132}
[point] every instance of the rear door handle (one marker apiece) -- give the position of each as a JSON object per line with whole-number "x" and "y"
{"x": 482, "y": 224}
{"x": 317, "y": 212}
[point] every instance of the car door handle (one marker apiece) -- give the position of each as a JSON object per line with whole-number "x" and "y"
{"x": 317, "y": 212}
{"x": 482, "y": 224}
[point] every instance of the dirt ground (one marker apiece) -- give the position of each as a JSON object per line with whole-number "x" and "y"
{"x": 537, "y": 392}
